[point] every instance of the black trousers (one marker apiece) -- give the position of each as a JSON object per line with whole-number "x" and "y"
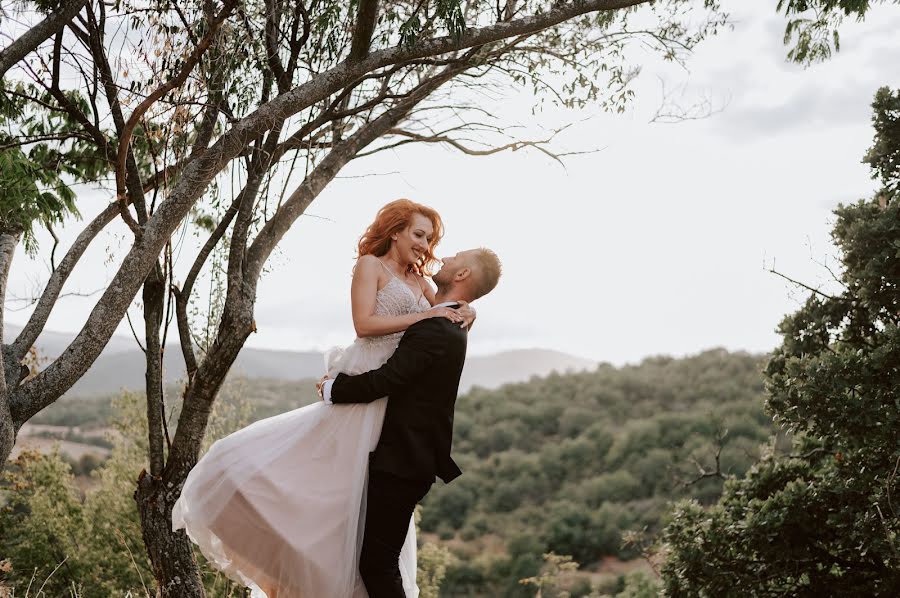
{"x": 390, "y": 503}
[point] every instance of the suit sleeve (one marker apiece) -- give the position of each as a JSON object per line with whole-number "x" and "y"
{"x": 422, "y": 345}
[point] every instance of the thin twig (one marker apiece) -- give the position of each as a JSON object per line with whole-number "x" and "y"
{"x": 121, "y": 538}
{"x": 800, "y": 284}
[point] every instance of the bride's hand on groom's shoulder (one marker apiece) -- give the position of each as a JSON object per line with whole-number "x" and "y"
{"x": 450, "y": 313}
{"x": 468, "y": 314}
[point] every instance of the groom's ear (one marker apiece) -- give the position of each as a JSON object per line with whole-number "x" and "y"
{"x": 463, "y": 273}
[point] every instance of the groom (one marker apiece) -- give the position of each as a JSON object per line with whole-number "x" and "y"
{"x": 422, "y": 379}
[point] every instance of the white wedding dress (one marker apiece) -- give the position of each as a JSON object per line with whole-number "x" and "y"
{"x": 279, "y": 506}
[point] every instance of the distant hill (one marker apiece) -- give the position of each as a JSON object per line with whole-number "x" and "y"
{"x": 493, "y": 371}
{"x": 121, "y": 365}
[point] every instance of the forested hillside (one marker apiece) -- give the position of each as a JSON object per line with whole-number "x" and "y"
{"x": 566, "y": 463}
{"x": 569, "y": 462}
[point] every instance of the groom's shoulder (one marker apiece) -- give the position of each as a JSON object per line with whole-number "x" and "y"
{"x": 443, "y": 333}
{"x": 428, "y": 325}
{"x": 435, "y": 327}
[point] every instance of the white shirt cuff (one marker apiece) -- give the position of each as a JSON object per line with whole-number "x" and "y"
{"x": 326, "y": 392}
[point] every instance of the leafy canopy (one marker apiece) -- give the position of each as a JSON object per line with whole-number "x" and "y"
{"x": 813, "y": 25}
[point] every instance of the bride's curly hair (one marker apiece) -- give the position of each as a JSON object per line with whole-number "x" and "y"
{"x": 394, "y": 218}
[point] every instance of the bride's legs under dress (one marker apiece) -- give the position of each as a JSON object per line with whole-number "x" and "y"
{"x": 242, "y": 521}
{"x": 232, "y": 533}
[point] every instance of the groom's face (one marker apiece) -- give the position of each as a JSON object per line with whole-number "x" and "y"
{"x": 450, "y": 266}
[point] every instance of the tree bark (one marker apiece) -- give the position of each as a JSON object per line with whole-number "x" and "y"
{"x": 7, "y": 430}
{"x": 154, "y": 296}
{"x": 8, "y": 241}
{"x": 171, "y": 554}
{"x": 34, "y": 37}
{"x": 366, "y": 15}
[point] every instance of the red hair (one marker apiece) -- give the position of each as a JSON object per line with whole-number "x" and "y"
{"x": 393, "y": 218}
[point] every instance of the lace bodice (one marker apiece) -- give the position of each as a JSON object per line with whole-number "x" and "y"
{"x": 396, "y": 299}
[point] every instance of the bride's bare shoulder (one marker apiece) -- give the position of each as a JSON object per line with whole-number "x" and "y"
{"x": 366, "y": 264}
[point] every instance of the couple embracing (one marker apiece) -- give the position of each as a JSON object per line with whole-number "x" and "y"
{"x": 318, "y": 502}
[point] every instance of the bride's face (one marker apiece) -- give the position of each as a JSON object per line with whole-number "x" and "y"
{"x": 411, "y": 243}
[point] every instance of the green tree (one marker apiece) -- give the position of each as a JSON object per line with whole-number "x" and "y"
{"x": 40, "y": 523}
{"x": 822, "y": 520}
{"x": 812, "y": 28}
{"x": 93, "y": 543}
{"x": 884, "y": 155}
{"x": 432, "y": 562}
{"x": 556, "y": 569}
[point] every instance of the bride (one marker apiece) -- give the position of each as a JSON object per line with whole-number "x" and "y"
{"x": 279, "y": 505}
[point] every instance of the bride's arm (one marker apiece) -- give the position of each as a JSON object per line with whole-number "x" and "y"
{"x": 362, "y": 297}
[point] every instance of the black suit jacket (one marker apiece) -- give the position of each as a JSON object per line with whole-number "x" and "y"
{"x": 422, "y": 380}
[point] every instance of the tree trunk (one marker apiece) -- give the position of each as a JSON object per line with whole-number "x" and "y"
{"x": 174, "y": 567}
{"x": 9, "y": 239}
{"x": 176, "y": 571}
{"x": 171, "y": 555}
{"x": 7, "y": 431}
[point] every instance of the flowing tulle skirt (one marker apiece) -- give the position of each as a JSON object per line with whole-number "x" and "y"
{"x": 279, "y": 506}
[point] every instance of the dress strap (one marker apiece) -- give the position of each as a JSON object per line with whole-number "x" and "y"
{"x": 418, "y": 295}
{"x": 391, "y": 272}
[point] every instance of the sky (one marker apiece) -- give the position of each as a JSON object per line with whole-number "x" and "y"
{"x": 659, "y": 242}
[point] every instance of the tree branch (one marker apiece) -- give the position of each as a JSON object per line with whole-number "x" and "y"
{"x": 29, "y": 334}
{"x": 442, "y": 138}
{"x": 800, "y": 284}
{"x": 53, "y": 381}
{"x": 702, "y": 472}
{"x": 325, "y": 171}
{"x": 9, "y": 239}
{"x": 182, "y": 296}
{"x": 272, "y": 29}
{"x": 670, "y": 111}
{"x": 34, "y": 37}
{"x": 94, "y": 42}
{"x": 128, "y": 129}
{"x": 365, "y": 27}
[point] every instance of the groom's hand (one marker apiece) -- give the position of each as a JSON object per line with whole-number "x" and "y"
{"x": 319, "y": 385}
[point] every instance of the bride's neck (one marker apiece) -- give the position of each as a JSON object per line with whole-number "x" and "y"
{"x": 396, "y": 265}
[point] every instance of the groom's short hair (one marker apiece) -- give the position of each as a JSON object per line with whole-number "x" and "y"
{"x": 486, "y": 270}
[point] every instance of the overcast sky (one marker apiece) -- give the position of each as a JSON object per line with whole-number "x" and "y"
{"x": 658, "y": 244}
